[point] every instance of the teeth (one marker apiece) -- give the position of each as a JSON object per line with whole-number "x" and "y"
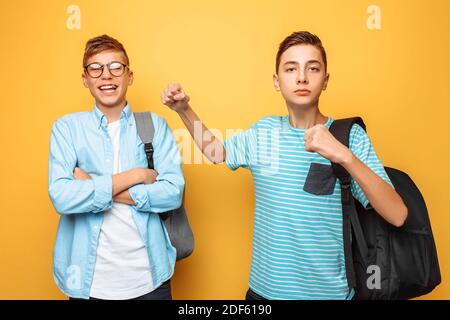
{"x": 107, "y": 87}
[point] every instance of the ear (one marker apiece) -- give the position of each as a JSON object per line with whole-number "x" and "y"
{"x": 325, "y": 83}
{"x": 130, "y": 78}
{"x": 83, "y": 77}
{"x": 276, "y": 83}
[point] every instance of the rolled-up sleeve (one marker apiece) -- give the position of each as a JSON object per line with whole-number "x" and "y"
{"x": 166, "y": 193}
{"x": 68, "y": 195}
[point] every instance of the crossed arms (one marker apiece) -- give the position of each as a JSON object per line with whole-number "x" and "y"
{"x": 73, "y": 190}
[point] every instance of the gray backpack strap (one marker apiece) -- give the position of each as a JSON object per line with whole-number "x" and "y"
{"x": 144, "y": 125}
{"x": 146, "y": 131}
{"x": 175, "y": 221}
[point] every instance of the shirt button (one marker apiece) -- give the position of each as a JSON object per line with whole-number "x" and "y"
{"x": 108, "y": 160}
{"x": 95, "y": 227}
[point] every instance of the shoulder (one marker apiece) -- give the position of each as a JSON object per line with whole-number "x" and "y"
{"x": 157, "y": 119}
{"x": 269, "y": 122}
{"x": 357, "y": 134}
{"x": 162, "y": 129}
{"x": 357, "y": 131}
{"x": 359, "y": 140}
{"x": 159, "y": 123}
{"x": 264, "y": 126}
{"x": 71, "y": 119}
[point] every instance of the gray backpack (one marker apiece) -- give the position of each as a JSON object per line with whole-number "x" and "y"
{"x": 176, "y": 220}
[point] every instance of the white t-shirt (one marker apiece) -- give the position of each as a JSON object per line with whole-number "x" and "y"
{"x": 122, "y": 268}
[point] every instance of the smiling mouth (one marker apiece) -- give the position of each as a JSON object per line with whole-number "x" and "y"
{"x": 108, "y": 88}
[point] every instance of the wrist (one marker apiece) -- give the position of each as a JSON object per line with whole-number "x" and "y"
{"x": 184, "y": 111}
{"x": 138, "y": 176}
{"x": 347, "y": 158}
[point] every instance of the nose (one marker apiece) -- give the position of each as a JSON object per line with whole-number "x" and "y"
{"x": 301, "y": 77}
{"x": 106, "y": 75}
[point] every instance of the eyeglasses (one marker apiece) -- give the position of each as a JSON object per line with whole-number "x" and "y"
{"x": 95, "y": 69}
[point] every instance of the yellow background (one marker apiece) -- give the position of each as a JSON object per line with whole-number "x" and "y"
{"x": 223, "y": 53}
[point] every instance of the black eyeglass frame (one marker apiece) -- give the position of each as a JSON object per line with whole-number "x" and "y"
{"x": 103, "y": 67}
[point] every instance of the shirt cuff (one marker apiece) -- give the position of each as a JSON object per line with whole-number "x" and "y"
{"x": 140, "y": 197}
{"x": 102, "y": 192}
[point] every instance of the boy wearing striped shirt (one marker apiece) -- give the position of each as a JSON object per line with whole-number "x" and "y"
{"x": 298, "y": 250}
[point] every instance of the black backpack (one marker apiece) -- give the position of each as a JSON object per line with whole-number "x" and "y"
{"x": 383, "y": 261}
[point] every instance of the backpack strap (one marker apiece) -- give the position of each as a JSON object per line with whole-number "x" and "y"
{"x": 146, "y": 131}
{"x": 340, "y": 129}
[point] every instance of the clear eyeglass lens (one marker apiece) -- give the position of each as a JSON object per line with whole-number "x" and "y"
{"x": 116, "y": 68}
{"x": 94, "y": 70}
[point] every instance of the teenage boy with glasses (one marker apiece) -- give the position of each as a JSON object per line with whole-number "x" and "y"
{"x": 110, "y": 242}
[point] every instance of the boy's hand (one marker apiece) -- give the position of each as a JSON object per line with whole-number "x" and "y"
{"x": 150, "y": 176}
{"x": 80, "y": 174}
{"x": 319, "y": 139}
{"x": 175, "y": 98}
{"x": 146, "y": 176}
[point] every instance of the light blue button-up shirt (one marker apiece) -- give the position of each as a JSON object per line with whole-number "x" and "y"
{"x": 82, "y": 140}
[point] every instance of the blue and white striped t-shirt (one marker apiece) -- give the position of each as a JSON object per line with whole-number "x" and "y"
{"x": 298, "y": 250}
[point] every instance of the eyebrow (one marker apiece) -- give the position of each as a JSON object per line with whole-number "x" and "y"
{"x": 105, "y": 63}
{"x": 307, "y": 62}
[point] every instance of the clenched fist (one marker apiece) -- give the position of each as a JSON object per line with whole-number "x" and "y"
{"x": 174, "y": 97}
{"x": 149, "y": 175}
{"x": 318, "y": 139}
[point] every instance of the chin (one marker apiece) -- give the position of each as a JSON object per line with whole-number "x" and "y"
{"x": 301, "y": 103}
{"x": 111, "y": 102}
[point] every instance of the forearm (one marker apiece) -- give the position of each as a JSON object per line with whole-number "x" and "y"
{"x": 71, "y": 196}
{"x": 163, "y": 195}
{"x": 124, "y": 197}
{"x": 383, "y": 198}
{"x": 125, "y": 180}
{"x": 209, "y": 144}
{"x": 93, "y": 194}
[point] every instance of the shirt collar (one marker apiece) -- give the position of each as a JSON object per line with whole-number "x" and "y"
{"x": 101, "y": 118}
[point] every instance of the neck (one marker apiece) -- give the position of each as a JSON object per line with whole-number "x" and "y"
{"x": 112, "y": 113}
{"x": 305, "y": 117}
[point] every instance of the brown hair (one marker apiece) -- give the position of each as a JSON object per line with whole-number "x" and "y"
{"x": 301, "y": 37}
{"x": 102, "y": 43}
